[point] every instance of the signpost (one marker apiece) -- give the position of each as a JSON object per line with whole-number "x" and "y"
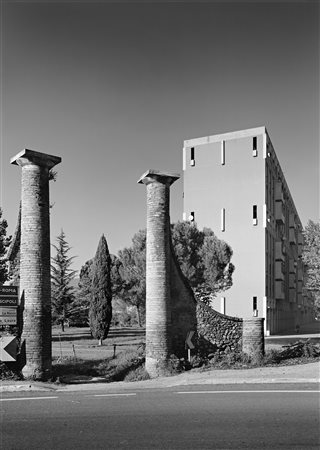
{"x": 8, "y": 348}
{"x": 8, "y": 305}
{"x": 189, "y": 344}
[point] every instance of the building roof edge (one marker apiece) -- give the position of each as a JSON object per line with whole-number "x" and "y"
{"x": 225, "y": 136}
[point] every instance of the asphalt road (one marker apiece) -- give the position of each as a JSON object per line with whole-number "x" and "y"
{"x": 184, "y": 417}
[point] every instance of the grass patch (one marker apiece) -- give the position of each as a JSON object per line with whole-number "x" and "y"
{"x": 126, "y": 366}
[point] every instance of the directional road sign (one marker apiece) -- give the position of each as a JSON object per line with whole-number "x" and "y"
{"x": 8, "y": 348}
{"x": 189, "y": 343}
{"x": 8, "y": 320}
{"x": 8, "y": 312}
{"x": 8, "y": 296}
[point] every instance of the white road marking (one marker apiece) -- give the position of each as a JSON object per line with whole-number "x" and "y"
{"x": 114, "y": 395}
{"x": 247, "y": 392}
{"x": 25, "y": 398}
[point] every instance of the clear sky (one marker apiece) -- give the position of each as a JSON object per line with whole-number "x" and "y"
{"x": 115, "y": 89}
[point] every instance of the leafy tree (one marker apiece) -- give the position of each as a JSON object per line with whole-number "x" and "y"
{"x": 203, "y": 258}
{"x": 215, "y": 256}
{"x": 187, "y": 241}
{"x": 4, "y": 244}
{"x": 100, "y": 310}
{"x": 61, "y": 279}
{"x": 132, "y": 274}
{"x": 311, "y": 258}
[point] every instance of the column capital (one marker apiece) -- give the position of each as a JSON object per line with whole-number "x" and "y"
{"x": 30, "y": 157}
{"x": 152, "y": 175}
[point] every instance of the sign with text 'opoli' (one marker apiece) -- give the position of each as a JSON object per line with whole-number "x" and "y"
{"x": 8, "y": 305}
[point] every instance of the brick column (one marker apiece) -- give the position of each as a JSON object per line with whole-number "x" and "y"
{"x": 35, "y": 261}
{"x": 158, "y": 308}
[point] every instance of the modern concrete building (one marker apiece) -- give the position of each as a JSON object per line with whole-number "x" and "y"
{"x": 233, "y": 184}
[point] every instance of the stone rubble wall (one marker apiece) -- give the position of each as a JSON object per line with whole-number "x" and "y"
{"x": 217, "y": 332}
{"x": 214, "y": 332}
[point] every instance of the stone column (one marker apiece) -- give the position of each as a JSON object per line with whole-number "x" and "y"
{"x": 253, "y": 336}
{"x": 158, "y": 312}
{"x": 35, "y": 283}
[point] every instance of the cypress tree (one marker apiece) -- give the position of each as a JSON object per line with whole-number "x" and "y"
{"x": 4, "y": 244}
{"x": 100, "y": 311}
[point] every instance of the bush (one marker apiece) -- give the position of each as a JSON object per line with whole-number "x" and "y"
{"x": 138, "y": 374}
{"x": 9, "y": 371}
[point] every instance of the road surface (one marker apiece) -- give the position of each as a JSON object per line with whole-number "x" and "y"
{"x": 184, "y": 417}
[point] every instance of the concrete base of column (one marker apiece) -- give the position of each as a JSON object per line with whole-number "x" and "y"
{"x": 32, "y": 372}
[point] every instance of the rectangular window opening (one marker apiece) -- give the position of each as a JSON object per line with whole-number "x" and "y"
{"x": 191, "y": 217}
{"x": 223, "y": 219}
{"x": 223, "y": 153}
{"x": 254, "y": 215}
{"x": 254, "y": 143}
{"x": 192, "y": 158}
{"x": 254, "y": 147}
{"x": 254, "y": 303}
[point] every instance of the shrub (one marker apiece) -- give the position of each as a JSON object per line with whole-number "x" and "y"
{"x": 138, "y": 374}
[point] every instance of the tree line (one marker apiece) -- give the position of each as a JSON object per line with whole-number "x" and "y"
{"x": 204, "y": 260}
{"x": 109, "y": 282}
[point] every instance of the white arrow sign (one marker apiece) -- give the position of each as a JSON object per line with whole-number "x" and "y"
{"x": 8, "y": 348}
{"x": 189, "y": 343}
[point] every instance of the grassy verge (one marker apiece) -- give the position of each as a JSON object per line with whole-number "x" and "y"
{"x": 127, "y": 365}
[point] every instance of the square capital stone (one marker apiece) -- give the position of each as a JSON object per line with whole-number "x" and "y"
{"x": 31, "y": 157}
{"x": 152, "y": 175}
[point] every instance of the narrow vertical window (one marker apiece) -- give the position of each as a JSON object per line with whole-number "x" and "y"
{"x": 254, "y": 143}
{"x": 223, "y": 153}
{"x": 223, "y": 219}
{"x": 254, "y": 215}
{"x": 254, "y": 146}
{"x": 192, "y": 159}
{"x": 255, "y": 306}
{"x": 191, "y": 217}
{"x": 254, "y": 303}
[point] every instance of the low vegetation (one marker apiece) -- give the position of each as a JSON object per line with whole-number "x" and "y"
{"x": 300, "y": 352}
{"x": 129, "y": 364}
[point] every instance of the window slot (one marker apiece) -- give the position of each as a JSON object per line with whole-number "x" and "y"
{"x": 223, "y": 219}
{"x": 254, "y": 215}
{"x": 192, "y": 158}
{"x": 255, "y": 306}
{"x": 254, "y": 146}
{"x": 223, "y": 153}
{"x": 254, "y": 143}
{"x": 191, "y": 217}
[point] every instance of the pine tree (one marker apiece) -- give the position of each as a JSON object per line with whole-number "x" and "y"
{"x": 132, "y": 271}
{"x": 100, "y": 311}
{"x": 61, "y": 277}
{"x": 311, "y": 258}
{"x": 4, "y": 243}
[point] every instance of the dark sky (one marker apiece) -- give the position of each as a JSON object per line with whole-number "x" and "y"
{"x": 114, "y": 89}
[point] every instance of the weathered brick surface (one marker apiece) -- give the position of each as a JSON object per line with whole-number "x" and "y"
{"x": 35, "y": 263}
{"x": 158, "y": 318}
